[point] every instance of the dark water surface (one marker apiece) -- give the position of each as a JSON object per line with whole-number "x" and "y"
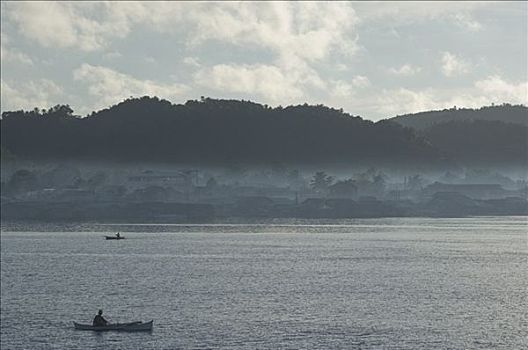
{"x": 356, "y": 284}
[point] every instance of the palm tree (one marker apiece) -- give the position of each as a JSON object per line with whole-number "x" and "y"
{"x": 321, "y": 181}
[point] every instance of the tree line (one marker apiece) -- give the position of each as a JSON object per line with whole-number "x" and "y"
{"x": 216, "y": 131}
{"x": 210, "y": 131}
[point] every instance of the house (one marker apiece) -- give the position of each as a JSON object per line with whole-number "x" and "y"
{"x": 474, "y": 191}
{"x": 343, "y": 189}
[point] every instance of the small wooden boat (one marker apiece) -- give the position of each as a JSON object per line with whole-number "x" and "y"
{"x": 138, "y": 326}
{"x": 114, "y": 237}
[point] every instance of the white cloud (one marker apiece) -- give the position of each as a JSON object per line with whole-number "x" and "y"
{"x": 267, "y": 81}
{"x": 87, "y": 26}
{"x": 398, "y": 13}
{"x": 341, "y": 89}
{"x": 464, "y": 20}
{"x": 484, "y": 92}
{"x": 405, "y": 70}
{"x": 191, "y": 61}
{"x": 110, "y": 86}
{"x": 307, "y": 30}
{"x": 41, "y": 93}
{"x": 497, "y": 90}
{"x": 49, "y": 23}
{"x": 492, "y": 89}
{"x": 399, "y": 101}
{"x": 287, "y": 79}
{"x": 310, "y": 30}
{"x": 453, "y": 65}
{"x": 15, "y": 56}
{"x": 360, "y": 81}
{"x": 8, "y": 54}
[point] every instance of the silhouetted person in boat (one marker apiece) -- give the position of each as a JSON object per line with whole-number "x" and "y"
{"x": 99, "y": 319}
{"x": 118, "y": 235}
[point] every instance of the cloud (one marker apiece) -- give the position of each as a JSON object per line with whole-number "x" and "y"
{"x": 341, "y": 89}
{"x": 88, "y": 26}
{"x": 41, "y": 93}
{"x": 110, "y": 86}
{"x": 344, "y": 89}
{"x": 14, "y": 56}
{"x": 310, "y": 30}
{"x": 405, "y": 70}
{"x": 492, "y": 89}
{"x": 267, "y": 81}
{"x": 453, "y": 65}
{"x": 8, "y": 54}
{"x": 484, "y": 92}
{"x": 360, "y": 81}
{"x": 497, "y": 90}
{"x": 191, "y": 62}
{"x": 48, "y": 23}
{"x": 307, "y": 30}
{"x": 288, "y": 81}
{"x": 464, "y": 20}
{"x": 403, "y": 13}
{"x": 398, "y": 101}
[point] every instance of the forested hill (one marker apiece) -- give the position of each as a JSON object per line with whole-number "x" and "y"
{"x": 517, "y": 114}
{"x": 212, "y": 131}
{"x": 490, "y": 135}
{"x": 480, "y": 142}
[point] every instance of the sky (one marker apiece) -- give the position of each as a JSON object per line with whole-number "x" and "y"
{"x": 373, "y": 59}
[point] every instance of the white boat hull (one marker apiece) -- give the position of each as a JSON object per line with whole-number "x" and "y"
{"x": 122, "y": 327}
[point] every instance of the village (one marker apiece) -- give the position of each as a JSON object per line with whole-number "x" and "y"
{"x": 68, "y": 192}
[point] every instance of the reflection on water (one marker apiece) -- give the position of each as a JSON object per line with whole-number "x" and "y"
{"x": 380, "y": 283}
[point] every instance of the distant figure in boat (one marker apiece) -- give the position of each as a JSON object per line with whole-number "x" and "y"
{"x": 116, "y": 236}
{"x": 99, "y": 319}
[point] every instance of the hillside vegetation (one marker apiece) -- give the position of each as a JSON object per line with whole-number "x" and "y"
{"x": 211, "y": 131}
{"x": 506, "y": 113}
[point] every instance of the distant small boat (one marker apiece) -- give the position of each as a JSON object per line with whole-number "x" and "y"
{"x": 138, "y": 326}
{"x": 114, "y": 237}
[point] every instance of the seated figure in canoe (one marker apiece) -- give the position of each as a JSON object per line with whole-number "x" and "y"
{"x": 99, "y": 319}
{"x": 116, "y": 236}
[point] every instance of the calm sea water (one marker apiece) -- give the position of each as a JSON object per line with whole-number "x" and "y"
{"x": 355, "y": 284}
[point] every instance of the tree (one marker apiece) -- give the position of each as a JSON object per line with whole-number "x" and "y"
{"x": 321, "y": 181}
{"x": 379, "y": 182}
